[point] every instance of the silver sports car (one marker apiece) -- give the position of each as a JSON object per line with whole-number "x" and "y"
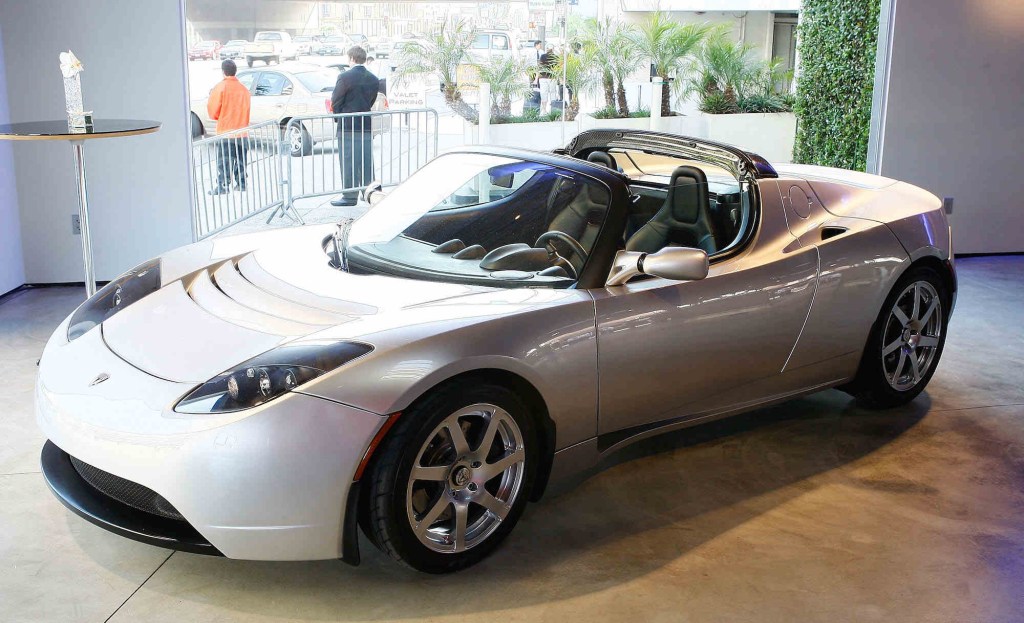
{"x": 503, "y": 319}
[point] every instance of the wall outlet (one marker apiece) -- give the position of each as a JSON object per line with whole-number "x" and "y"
{"x": 947, "y": 205}
{"x": 76, "y": 225}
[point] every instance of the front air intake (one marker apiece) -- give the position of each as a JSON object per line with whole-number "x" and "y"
{"x": 126, "y": 491}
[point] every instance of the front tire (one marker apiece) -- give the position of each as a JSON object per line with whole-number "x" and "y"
{"x": 248, "y": 61}
{"x": 453, "y": 477}
{"x": 906, "y": 341}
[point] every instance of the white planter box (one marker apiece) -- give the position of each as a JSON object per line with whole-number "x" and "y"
{"x": 770, "y": 135}
{"x": 544, "y": 135}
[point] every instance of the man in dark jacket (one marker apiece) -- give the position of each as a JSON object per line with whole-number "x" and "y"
{"x": 354, "y": 92}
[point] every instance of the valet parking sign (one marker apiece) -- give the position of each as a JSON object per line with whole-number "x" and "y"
{"x": 407, "y": 93}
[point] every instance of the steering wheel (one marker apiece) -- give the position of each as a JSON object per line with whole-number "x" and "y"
{"x": 545, "y": 240}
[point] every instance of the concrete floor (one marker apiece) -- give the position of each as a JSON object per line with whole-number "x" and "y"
{"x": 811, "y": 511}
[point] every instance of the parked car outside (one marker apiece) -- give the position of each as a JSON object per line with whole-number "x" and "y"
{"x": 490, "y": 44}
{"x": 272, "y": 46}
{"x": 286, "y": 91}
{"x": 206, "y": 50}
{"x": 233, "y": 49}
{"x": 304, "y": 45}
{"x": 335, "y": 45}
{"x": 360, "y": 40}
{"x": 380, "y": 47}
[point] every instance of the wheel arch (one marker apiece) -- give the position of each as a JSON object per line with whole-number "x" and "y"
{"x": 943, "y": 267}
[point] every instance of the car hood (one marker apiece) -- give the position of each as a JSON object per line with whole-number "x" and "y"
{"x": 226, "y": 300}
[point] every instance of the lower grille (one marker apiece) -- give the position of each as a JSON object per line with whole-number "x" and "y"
{"x": 126, "y": 491}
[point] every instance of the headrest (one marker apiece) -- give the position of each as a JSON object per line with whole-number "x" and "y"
{"x": 687, "y": 193}
{"x": 603, "y": 158}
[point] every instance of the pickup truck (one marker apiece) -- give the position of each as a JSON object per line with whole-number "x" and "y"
{"x": 271, "y": 46}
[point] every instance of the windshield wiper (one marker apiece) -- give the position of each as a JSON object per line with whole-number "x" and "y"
{"x": 341, "y": 242}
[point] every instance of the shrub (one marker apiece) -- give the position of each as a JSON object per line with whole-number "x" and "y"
{"x": 838, "y": 40}
{"x": 764, "y": 103}
{"x": 717, "y": 104}
{"x": 610, "y": 112}
{"x": 530, "y": 115}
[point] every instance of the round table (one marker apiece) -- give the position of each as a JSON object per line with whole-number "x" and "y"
{"x": 61, "y": 131}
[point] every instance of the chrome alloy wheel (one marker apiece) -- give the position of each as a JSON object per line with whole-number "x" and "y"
{"x": 465, "y": 478}
{"x": 910, "y": 338}
{"x": 295, "y": 138}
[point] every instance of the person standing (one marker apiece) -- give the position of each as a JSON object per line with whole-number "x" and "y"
{"x": 547, "y": 82}
{"x": 229, "y": 105}
{"x": 355, "y": 92}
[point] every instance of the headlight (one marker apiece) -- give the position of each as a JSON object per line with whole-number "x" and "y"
{"x": 115, "y": 296}
{"x": 267, "y": 376}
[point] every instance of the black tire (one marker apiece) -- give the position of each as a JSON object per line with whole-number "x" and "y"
{"x": 387, "y": 521}
{"x": 197, "y": 126}
{"x": 304, "y": 147}
{"x": 872, "y": 386}
{"x": 276, "y": 60}
{"x": 248, "y": 61}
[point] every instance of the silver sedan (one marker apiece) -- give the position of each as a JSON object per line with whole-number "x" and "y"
{"x": 286, "y": 91}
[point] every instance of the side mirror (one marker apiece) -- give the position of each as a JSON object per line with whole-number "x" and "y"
{"x": 676, "y": 263}
{"x": 373, "y": 193}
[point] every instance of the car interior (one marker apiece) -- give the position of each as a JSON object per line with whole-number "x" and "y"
{"x": 676, "y": 204}
{"x": 489, "y": 226}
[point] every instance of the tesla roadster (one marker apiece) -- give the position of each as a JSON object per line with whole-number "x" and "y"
{"x": 501, "y": 320}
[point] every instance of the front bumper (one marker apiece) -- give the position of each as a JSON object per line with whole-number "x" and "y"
{"x": 269, "y": 483}
{"x": 110, "y": 514}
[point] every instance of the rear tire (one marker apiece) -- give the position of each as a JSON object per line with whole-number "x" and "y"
{"x": 197, "y": 126}
{"x": 906, "y": 341}
{"x": 300, "y": 143}
{"x": 248, "y": 61}
{"x": 472, "y": 447}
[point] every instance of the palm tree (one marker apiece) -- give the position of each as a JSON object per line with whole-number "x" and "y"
{"x": 507, "y": 77}
{"x": 611, "y": 42}
{"x": 440, "y": 55}
{"x": 581, "y": 75}
{"x": 669, "y": 45}
{"x": 727, "y": 66}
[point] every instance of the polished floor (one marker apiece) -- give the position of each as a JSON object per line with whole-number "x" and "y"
{"x": 811, "y": 511}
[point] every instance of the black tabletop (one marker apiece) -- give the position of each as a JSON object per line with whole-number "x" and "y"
{"x": 101, "y": 128}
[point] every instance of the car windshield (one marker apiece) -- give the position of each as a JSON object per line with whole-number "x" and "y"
{"x": 207, "y": 44}
{"x": 237, "y": 42}
{"x": 318, "y": 80}
{"x": 476, "y": 218}
{"x": 268, "y": 36}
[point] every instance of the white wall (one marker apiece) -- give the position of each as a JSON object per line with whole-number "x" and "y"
{"x": 12, "y": 267}
{"x": 954, "y": 121}
{"x": 139, "y": 187}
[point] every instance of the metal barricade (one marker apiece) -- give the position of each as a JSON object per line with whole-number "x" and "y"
{"x": 268, "y": 167}
{"x": 236, "y": 175}
{"x": 399, "y": 142}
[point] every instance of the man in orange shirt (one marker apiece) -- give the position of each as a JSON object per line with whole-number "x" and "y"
{"x": 229, "y": 107}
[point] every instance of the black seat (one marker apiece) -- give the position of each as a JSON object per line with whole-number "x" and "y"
{"x": 602, "y": 157}
{"x": 577, "y": 208}
{"x": 684, "y": 220}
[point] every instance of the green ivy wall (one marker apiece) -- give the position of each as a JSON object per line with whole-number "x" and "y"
{"x": 838, "y": 40}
